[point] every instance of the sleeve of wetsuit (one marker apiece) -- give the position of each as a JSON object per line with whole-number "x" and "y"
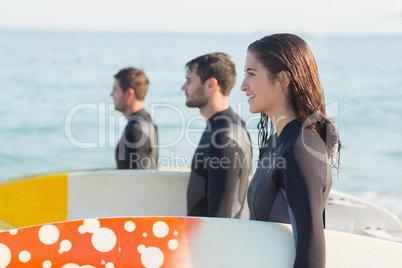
{"x": 137, "y": 150}
{"x": 305, "y": 182}
{"x": 224, "y": 164}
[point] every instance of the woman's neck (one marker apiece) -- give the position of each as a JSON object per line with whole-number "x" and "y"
{"x": 281, "y": 121}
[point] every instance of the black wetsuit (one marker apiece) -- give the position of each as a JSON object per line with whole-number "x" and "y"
{"x": 220, "y": 168}
{"x": 291, "y": 185}
{"x": 137, "y": 148}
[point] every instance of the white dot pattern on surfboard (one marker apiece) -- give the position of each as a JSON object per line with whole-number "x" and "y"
{"x": 103, "y": 240}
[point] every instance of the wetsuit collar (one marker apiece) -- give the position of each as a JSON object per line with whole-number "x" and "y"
{"x": 228, "y": 111}
{"x": 136, "y": 116}
{"x": 288, "y": 130}
{"x": 137, "y": 112}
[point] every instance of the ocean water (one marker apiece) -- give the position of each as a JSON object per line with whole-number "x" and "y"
{"x": 56, "y": 112}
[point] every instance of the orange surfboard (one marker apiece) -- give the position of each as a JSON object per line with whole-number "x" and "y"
{"x": 154, "y": 242}
{"x": 149, "y": 242}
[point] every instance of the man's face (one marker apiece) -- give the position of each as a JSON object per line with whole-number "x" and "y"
{"x": 194, "y": 89}
{"x": 118, "y": 96}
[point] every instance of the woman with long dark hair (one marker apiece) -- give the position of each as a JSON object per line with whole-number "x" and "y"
{"x": 293, "y": 177}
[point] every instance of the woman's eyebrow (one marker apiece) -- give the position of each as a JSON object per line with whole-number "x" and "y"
{"x": 250, "y": 69}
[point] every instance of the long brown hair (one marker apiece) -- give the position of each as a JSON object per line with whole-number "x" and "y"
{"x": 291, "y": 54}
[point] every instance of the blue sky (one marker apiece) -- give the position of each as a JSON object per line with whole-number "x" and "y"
{"x": 315, "y": 17}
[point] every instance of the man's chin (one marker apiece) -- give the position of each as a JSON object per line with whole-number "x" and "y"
{"x": 190, "y": 104}
{"x": 118, "y": 109}
{"x": 195, "y": 104}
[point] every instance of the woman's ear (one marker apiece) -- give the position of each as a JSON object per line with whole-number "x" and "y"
{"x": 284, "y": 79}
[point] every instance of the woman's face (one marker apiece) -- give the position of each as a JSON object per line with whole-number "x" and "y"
{"x": 265, "y": 94}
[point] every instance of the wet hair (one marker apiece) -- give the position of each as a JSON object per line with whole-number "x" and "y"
{"x": 291, "y": 54}
{"x": 135, "y": 79}
{"x": 217, "y": 65}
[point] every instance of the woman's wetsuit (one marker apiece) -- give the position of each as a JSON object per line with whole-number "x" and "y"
{"x": 291, "y": 185}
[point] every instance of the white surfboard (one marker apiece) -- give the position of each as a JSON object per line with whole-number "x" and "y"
{"x": 116, "y": 193}
{"x": 350, "y": 214}
{"x": 89, "y": 194}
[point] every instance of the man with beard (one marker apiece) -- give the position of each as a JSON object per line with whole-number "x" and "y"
{"x": 137, "y": 148}
{"x": 221, "y": 164}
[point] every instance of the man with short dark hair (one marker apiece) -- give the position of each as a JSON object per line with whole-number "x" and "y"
{"x": 137, "y": 148}
{"x": 221, "y": 164}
